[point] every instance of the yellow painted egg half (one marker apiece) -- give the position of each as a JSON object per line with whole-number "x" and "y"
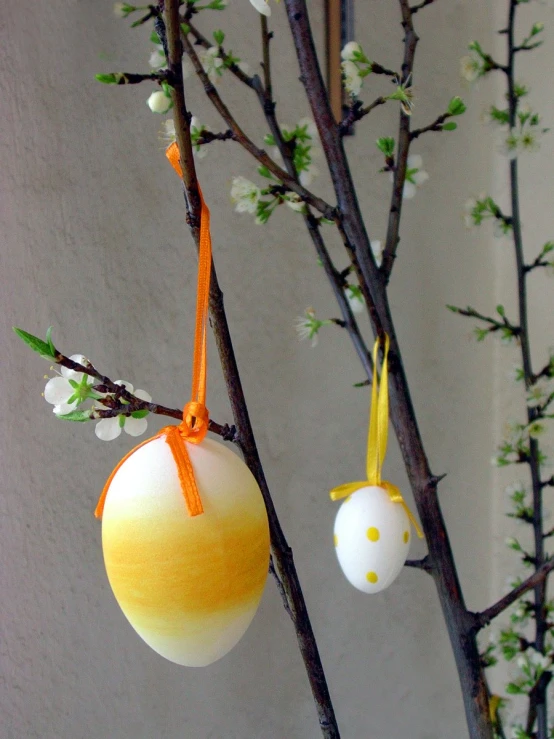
{"x": 189, "y": 586}
{"x": 372, "y": 538}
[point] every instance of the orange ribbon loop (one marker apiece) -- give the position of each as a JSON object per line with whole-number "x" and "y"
{"x": 194, "y": 425}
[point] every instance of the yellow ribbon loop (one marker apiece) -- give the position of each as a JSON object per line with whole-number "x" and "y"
{"x": 377, "y": 439}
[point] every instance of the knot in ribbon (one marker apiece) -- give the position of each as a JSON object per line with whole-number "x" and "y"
{"x": 195, "y": 422}
{"x": 377, "y": 440}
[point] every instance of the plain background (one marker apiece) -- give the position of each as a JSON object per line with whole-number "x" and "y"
{"x": 95, "y": 244}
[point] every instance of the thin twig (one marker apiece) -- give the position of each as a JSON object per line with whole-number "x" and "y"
{"x": 484, "y": 618}
{"x": 395, "y": 211}
{"x": 494, "y": 324}
{"x": 537, "y": 698}
{"x": 423, "y": 4}
{"x": 435, "y": 126}
{"x": 420, "y": 564}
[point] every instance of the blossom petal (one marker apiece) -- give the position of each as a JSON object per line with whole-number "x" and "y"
{"x": 415, "y": 161}
{"x": 63, "y": 408}
{"x": 409, "y": 190}
{"x": 108, "y": 429}
{"x": 143, "y": 395}
{"x": 420, "y": 177}
{"x": 135, "y": 426}
{"x": 262, "y": 6}
{"x": 57, "y": 390}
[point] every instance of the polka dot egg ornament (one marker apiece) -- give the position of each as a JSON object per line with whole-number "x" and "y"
{"x": 372, "y": 526}
{"x": 185, "y": 534}
{"x": 372, "y": 538}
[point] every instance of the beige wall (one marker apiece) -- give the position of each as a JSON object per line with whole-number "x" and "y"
{"x": 95, "y": 244}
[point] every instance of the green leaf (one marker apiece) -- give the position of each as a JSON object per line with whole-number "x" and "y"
{"x": 108, "y": 79}
{"x": 78, "y": 416}
{"x": 451, "y": 126}
{"x": 155, "y": 39}
{"x": 456, "y": 106}
{"x": 514, "y": 689}
{"x": 364, "y": 383}
{"x": 37, "y": 345}
{"x": 140, "y": 414}
{"x": 49, "y": 341}
{"x": 501, "y": 310}
{"x": 219, "y": 37}
{"x": 385, "y": 144}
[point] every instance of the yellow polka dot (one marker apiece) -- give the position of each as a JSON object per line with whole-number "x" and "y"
{"x": 373, "y": 534}
{"x": 406, "y": 536}
{"x": 371, "y": 577}
{"x": 336, "y": 540}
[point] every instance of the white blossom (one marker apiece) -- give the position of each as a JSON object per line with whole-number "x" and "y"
{"x": 245, "y": 194}
{"x": 295, "y": 202}
{"x": 108, "y": 429}
{"x": 415, "y": 176}
{"x": 470, "y": 68}
{"x": 262, "y": 6}
{"x": 355, "y": 299}
{"x": 69, "y": 389}
{"x": 351, "y": 51}
{"x": 167, "y": 132}
{"x": 352, "y": 78}
{"x": 157, "y": 58}
{"x": 211, "y": 61}
{"x": 158, "y": 102}
{"x": 307, "y": 326}
{"x": 307, "y": 175}
{"x": 538, "y": 393}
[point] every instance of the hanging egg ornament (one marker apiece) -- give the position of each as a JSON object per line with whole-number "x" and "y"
{"x": 185, "y": 534}
{"x": 188, "y": 585}
{"x": 372, "y": 538}
{"x": 372, "y": 526}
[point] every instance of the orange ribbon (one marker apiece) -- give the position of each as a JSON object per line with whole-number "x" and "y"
{"x": 194, "y": 425}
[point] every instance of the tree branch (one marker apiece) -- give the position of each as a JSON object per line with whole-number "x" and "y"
{"x": 282, "y": 554}
{"x": 422, "y": 481}
{"x": 484, "y": 618}
{"x": 395, "y": 211}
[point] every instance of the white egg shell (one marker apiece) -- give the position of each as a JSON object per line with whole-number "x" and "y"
{"x": 372, "y": 538}
{"x": 189, "y": 586}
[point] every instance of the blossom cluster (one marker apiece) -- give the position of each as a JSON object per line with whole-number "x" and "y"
{"x": 69, "y": 390}
{"x": 248, "y": 197}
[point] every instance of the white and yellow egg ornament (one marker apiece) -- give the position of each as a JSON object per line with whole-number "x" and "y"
{"x": 185, "y": 534}
{"x": 188, "y": 584}
{"x": 372, "y": 526}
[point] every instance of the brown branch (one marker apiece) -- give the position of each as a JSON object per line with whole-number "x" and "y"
{"x": 420, "y": 564}
{"x": 423, "y": 482}
{"x": 356, "y": 112}
{"x": 494, "y": 325}
{"x": 395, "y": 211}
{"x": 484, "y": 618}
{"x": 423, "y": 4}
{"x": 435, "y": 126}
{"x": 282, "y": 554}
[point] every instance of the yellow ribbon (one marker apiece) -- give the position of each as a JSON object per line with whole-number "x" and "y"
{"x": 377, "y": 440}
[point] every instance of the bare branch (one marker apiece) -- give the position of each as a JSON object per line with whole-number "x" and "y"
{"x": 485, "y": 617}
